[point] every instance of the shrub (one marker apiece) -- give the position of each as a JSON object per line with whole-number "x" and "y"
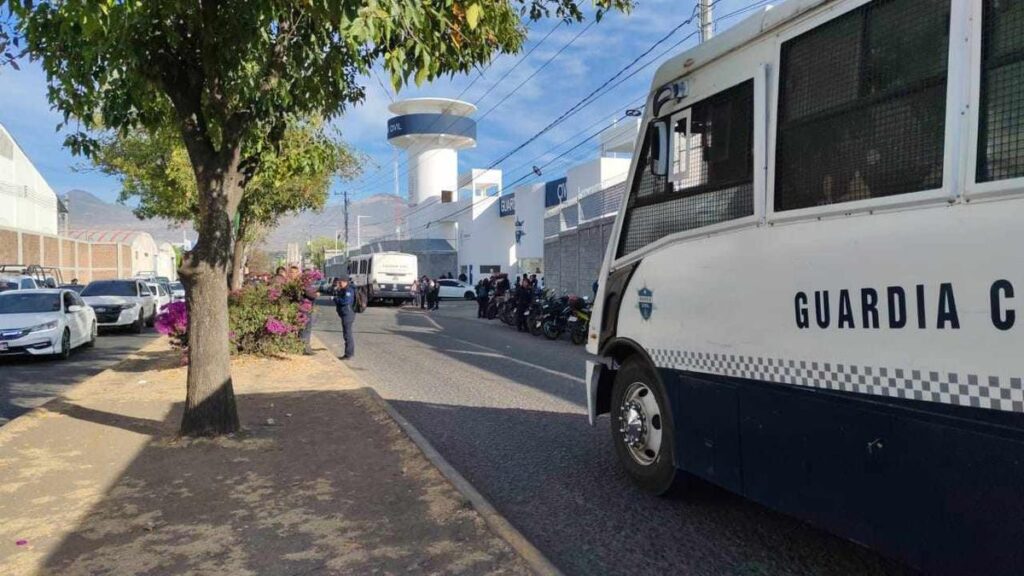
{"x": 264, "y": 319}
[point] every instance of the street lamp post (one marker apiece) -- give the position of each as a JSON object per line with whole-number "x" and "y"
{"x": 359, "y": 231}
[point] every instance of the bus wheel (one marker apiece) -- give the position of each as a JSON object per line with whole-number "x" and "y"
{"x": 641, "y": 426}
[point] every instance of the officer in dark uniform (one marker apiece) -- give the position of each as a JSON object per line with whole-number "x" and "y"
{"x": 344, "y": 299}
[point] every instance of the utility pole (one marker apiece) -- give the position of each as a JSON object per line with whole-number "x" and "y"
{"x": 707, "y": 29}
{"x": 346, "y": 223}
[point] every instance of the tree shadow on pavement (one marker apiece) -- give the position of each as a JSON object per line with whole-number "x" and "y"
{"x": 556, "y": 479}
{"x": 315, "y": 484}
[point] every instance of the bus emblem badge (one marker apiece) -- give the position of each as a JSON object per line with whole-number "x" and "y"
{"x": 646, "y": 304}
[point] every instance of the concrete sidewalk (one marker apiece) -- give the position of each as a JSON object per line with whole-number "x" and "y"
{"x": 320, "y": 481}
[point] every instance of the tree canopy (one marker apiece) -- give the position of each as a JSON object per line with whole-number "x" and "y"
{"x": 231, "y": 76}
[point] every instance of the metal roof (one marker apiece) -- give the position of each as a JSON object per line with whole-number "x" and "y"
{"x": 114, "y": 236}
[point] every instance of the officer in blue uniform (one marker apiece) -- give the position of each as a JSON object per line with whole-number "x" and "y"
{"x": 344, "y": 299}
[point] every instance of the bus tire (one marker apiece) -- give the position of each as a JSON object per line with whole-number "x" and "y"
{"x": 641, "y": 427}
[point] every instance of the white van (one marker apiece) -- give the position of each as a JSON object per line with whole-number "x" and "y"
{"x": 809, "y": 293}
{"x": 382, "y": 276}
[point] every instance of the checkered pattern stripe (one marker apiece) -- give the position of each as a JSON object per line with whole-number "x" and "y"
{"x": 949, "y": 388}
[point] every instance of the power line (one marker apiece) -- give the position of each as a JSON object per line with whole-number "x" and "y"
{"x": 537, "y": 71}
{"x": 589, "y": 99}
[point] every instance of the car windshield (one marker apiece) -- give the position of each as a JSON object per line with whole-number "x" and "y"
{"x": 8, "y": 284}
{"x": 177, "y": 286}
{"x": 27, "y": 303}
{"x": 110, "y": 288}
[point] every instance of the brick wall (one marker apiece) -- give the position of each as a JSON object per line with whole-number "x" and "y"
{"x": 30, "y": 249}
{"x": 104, "y": 257}
{"x": 126, "y": 261}
{"x": 74, "y": 258}
{"x": 9, "y": 247}
{"x": 51, "y": 251}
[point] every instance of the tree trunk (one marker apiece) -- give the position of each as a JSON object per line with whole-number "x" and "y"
{"x": 238, "y": 264}
{"x": 210, "y": 400}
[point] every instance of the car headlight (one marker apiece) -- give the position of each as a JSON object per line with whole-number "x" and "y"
{"x": 43, "y": 327}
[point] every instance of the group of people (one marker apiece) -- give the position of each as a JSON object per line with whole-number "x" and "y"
{"x": 427, "y": 292}
{"x": 526, "y": 288}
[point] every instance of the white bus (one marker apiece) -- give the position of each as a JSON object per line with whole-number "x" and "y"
{"x": 382, "y": 276}
{"x": 809, "y": 293}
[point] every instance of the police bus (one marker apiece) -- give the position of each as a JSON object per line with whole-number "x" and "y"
{"x": 382, "y": 277}
{"x": 809, "y": 297}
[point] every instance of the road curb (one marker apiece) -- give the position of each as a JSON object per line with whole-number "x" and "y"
{"x": 495, "y": 521}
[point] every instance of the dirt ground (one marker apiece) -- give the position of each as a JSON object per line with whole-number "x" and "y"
{"x": 320, "y": 481}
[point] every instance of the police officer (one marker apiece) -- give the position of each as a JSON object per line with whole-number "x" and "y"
{"x": 344, "y": 298}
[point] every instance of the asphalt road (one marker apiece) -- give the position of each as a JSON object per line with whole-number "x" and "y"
{"x": 508, "y": 411}
{"x": 27, "y": 382}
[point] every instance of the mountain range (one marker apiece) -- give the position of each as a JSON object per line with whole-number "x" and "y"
{"x": 379, "y": 213}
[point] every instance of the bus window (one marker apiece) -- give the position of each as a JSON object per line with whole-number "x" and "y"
{"x": 711, "y": 180}
{"x": 362, "y": 266}
{"x": 1001, "y": 133}
{"x": 862, "y": 105}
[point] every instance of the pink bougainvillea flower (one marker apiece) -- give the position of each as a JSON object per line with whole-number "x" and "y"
{"x": 275, "y": 326}
{"x": 306, "y": 306}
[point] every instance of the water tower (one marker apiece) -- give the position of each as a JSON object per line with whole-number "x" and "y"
{"x": 432, "y": 131}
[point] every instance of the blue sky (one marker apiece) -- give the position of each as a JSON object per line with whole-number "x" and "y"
{"x": 597, "y": 54}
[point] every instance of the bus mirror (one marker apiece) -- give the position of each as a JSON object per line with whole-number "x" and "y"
{"x": 658, "y": 142}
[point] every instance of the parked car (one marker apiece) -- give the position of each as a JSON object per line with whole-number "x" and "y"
{"x": 121, "y": 303}
{"x": 18, "y": 282}
{"x": 45, "y": 321}
{"x": 177, "y": 291}
{"x": 77, "y": 288}
{"x": 161, "y": 293}
{"x": 456, "y": 289}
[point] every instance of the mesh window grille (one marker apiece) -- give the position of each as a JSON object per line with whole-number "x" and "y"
{"x": 1001, "y": 134}
{"x": 717, "y": 183}
{"x": 862, "y": 105}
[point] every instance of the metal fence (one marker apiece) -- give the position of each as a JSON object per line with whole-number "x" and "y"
{"x": 576, "y": 234}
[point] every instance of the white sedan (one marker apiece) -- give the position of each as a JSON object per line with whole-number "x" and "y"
{"x": 456, "y": 289}
{"x": 45, "y": 321}
{"x": 121, "y": 303}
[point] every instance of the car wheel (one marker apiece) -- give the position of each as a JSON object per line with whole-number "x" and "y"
{"x": 641, "y": 427}
{"x": 140, "y": 323}
{"x": 93, "y": 333}
{"x": 152, "y": 318}
{"x": 65, "y": 345}
{"x": 469, "y": 295}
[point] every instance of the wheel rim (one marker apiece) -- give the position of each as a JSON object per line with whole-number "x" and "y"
{"x": 640, "y": 423}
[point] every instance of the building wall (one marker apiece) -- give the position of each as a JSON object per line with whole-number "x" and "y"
{"x": 75, "y": 258}
{"x": 572, "y": 259}
{"x": 29, "y": 204}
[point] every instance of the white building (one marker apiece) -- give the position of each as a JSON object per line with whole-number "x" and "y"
{"x": 27, "y": 203}
{"x": 488, "y": 228}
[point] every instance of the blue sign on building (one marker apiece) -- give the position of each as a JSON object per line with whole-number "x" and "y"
{"x": 554, "y": 192}
{"x": 507, "y": 205}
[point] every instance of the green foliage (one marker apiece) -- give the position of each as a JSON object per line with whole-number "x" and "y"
{"x": 317, "y": 247}
{"x": 249, "y": 310}
{"x": 235, "y": 71}
{"x": 157, "y": 175}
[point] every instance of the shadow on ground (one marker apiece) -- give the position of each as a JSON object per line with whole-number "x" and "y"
{"x": 573, "y": 481}
{"x": 300, "y": 491}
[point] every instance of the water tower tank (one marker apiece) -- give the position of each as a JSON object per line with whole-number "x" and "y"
{"x": 432, "y": 131}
